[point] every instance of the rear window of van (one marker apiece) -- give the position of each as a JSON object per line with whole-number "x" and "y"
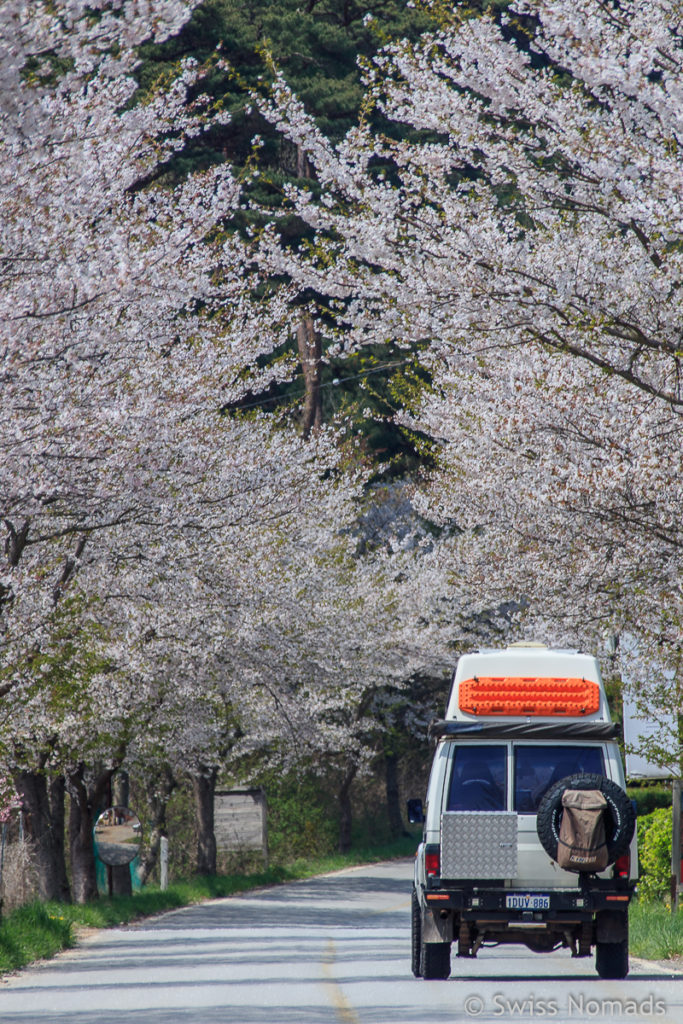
{"x": 479, "y": 779}
{"x": 537, "y": 768}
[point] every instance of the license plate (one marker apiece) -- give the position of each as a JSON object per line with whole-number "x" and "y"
{"x": 528, "y": 901}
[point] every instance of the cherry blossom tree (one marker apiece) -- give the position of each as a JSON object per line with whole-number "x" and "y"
{"x": 9, "y": 800}
{"x": 529, "y": 237}
{"x": 128, "y": 318}
{"x": 169, "y": 601}
{"x": 183, "y": 586}
{"x": 166, "y": 560}
{"x": 101, "y": 285}
{"x": 334, "y": 646}
{"x": 235, "y": 629}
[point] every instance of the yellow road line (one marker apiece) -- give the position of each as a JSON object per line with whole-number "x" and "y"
{"x": 342, "y": 1007}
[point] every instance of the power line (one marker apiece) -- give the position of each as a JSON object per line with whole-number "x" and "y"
{"x": 335, "y": 382}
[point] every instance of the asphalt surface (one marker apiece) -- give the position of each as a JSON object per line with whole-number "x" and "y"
{"x": 331, "y": 950}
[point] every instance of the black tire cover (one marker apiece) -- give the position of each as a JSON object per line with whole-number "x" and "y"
{"x": 620, "y": 819}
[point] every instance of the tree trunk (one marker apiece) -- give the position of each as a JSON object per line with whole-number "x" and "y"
{"x": 204, "y": 786}
{"x": 56, "y": 794}
{"x": 121, "y": 884}
{"x": 158, "y": 795}
{"x": 393, "y": 794}
{"x": 308, "y": 341}
{"x": 310, "y": 355}
{"x": 345, "y": 811}
{"x": 83, "y": 877}
{"x": 85, "y": 800}
{"x": 120, "y": 789}
{"x": 48, "y": 850}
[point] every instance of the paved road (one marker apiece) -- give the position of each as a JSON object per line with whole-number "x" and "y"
{"x": 333, "y": 950}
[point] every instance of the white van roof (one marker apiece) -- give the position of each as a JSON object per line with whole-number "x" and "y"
{"x": 527, "y": 682}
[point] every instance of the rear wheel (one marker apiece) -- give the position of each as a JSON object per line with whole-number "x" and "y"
{"x": 611, "y": 959}
{"x": 415, "y": 934}
{"x": 435, "y": 960}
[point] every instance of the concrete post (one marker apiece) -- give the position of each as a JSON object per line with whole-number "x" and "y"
{"x": 163, "y": 861}
{"x": 676, "y": 846}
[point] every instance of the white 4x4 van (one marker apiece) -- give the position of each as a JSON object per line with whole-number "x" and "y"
{"x": 524, "y": 726}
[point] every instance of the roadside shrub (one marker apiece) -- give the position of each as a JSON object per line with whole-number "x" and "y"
{"x": 654, "y": 854}
{"x": 649, "y": 798}
{"x": 19, "y": 881}
{"x": 302, "y": 817}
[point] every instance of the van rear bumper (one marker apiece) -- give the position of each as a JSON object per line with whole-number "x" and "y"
{"x": 578, "y": 903}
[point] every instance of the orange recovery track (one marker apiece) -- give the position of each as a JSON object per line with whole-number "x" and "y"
{"x": 528, "y": 695}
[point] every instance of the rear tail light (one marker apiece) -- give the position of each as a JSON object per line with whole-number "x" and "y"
{"x": 622, "y": 866}
{"x": 433, "y": 863}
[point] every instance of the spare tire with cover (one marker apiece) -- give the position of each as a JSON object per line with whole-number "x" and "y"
{"x": 620, "y": 819}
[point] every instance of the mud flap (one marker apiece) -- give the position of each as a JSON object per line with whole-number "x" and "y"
{"x": 436, "y": 928}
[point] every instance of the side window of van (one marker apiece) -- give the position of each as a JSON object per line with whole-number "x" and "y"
{"x": 537, "y": 768}
{"x": 478, "y": 779}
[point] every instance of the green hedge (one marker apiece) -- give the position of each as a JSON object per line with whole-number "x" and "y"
{"x": 649, "y": 798}
{"x": 654, "y": 855}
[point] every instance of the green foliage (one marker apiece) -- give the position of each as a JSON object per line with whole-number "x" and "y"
{"x": 371, "y": 387}
{"x": 45, "y": 71}
{"x": 181, "y": 821}
{"x": 654, "y": 932}
{"x": 319, "y": 48}
{"x": 316, "y": 45}
{"x": 446, "y": 13}
{"x": 73, "y": 656}
{"x": 60, "y": 671}
{"x": 654, "y": 853}
{"x": 613, "y": 692}
{"x": 364, "y": 391}
{"x": 302, "y": 817}
{"x": 648, "y": 798}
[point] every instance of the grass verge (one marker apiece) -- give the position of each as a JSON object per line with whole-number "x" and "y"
{"x": 655, "y": 933}
{"x": 41, "y": 930}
